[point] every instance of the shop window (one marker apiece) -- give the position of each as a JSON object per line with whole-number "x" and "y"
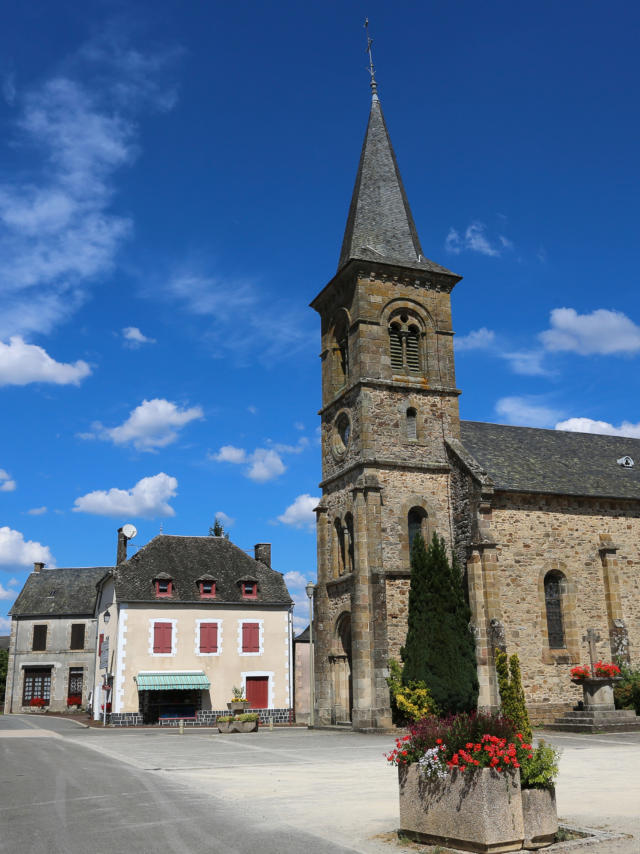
{"x": 77, "y": 635}
{"x": 37, "y": 683}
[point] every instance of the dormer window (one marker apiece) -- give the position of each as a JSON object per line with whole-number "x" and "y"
{"x": 207, "y": 588}
{"x": 164, "y": 586}
{"x": 249, "y": 589}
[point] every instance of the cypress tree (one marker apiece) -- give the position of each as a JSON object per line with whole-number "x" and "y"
{"x": 439, "y": 649}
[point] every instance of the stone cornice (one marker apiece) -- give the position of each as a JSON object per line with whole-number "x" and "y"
{"x": 370, "y": 382}
{"x": 381, "y": 463}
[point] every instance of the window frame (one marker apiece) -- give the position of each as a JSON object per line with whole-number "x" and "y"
{"x": 208, "y": 624}
{"x": 163, "y": 594}
{"x": 30, "y": 674}
{"x": 43, "y": 630}
{"x": 153, "y": 644}
{"x": 78, "y": 674}
{"x": 203, "y": 593}
{"x": 558, "y": 604}
{"x": 254, "y": 589}
{"x": 75, "y": 627}
{"x": 241, "y": 637}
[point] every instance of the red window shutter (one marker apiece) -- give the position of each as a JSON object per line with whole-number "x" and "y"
{"x": 100, "y": 642}
{"x": 208, "y": 637}
{"x": 162, "y": 637}
{"x": 250, "y": 637}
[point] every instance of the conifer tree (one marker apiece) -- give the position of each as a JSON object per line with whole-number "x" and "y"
{"x": 512, "y": 702}
{"x": 439, "y": 649}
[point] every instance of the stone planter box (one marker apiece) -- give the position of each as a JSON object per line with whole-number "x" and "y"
{"x": 477, "y": 811}
{"x": 597, "y": 692}
{"x": 540, "y": 817}
{"x": 238, "y": 707}
{"x": 237, "y": 726}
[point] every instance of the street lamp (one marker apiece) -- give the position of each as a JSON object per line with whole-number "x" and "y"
{"x": 312, "y": 687}
{"x": 106, "y": 617}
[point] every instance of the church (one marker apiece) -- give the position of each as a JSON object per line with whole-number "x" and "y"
{"x": 545, "y": 523}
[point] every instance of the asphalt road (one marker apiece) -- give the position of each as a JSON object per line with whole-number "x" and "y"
{"x": 58, "y": 796}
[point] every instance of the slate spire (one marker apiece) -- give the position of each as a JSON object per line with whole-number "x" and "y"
{"x": 380, "y": 225}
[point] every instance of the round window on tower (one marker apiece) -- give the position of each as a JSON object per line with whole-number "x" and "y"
{"x": 341, "y": 435}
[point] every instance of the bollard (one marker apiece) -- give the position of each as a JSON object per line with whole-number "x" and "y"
{"x": 181, "y": 727}
{"x": 271, "y": 722}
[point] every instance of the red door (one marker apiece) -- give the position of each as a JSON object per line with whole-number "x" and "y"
{"x": 258, "y": 692}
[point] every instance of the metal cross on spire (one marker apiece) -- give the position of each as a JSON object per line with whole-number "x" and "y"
{"x": 372, "y": 68}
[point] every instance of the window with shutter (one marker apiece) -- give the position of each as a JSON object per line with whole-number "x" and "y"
{"x": 413, "y": 351}
{"x": 395, "y": 345}
{"x": 208, "y": 637}
{"x": 162, "y": 637}
{"x": 250, "y": 637}
{"x": 405, "y": 345}
{"x": 77, "y": 636}
{"x": 39, "y": 638}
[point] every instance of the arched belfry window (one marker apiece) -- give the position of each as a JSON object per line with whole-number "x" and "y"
{"x": 339, "y": 548}
{"x": 555, "y": 587}
{"x": 404, "y": 344}
{"x": 417, "y": 524}
{"x": 341, "y": 350}
{"x": 412, "y": 423}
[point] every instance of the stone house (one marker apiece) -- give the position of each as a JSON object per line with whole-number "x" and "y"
{"x": 53, "y": 638}
{"x": 545, "y": 523}
{"x": 182, "y": 622}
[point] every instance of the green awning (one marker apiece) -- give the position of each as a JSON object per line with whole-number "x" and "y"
{"x": 176, "y": 680}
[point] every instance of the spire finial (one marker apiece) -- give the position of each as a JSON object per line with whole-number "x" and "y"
{"x": 372, "y": 68}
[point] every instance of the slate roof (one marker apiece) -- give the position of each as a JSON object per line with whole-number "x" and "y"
{"x": 528, "y": 459}
{"x": 303, "y": 637}
{"x": 59, "y": 592}
{"x": 189, "y": 559}
{"x": 380, "y": 226}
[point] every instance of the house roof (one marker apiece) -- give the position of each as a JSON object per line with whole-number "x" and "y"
{"x": 528, "y": 459}
{"x": 186, "y": 560}
{"x": 59, "y": 592}
{"x": 380, "y": 225}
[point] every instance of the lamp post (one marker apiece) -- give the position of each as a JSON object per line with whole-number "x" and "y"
{"x": 312, "y": 685}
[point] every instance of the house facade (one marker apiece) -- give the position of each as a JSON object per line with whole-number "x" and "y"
{"x": 183, "y": 622}
{"x": 545, "y": 524}
{"x": 53, "y": 638}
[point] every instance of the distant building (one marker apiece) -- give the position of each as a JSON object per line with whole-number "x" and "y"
{"x": 182, "y": 622}
{"x": 53, "y": 639}
{"x": 301, "y": 651}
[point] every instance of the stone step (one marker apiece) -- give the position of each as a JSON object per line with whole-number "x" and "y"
{"x": 576, "y": 727}
{"x": 600, "y": 717}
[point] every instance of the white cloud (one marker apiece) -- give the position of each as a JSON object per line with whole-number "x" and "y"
{"x": 477, "y": 339}
{"x": 148, "y": 498}
{"x": 527, "y": 411}
{"x": 12, "y": 582}
{"x": 16, "y": 551}
{"x": 526, "y": 362}
{"x": 6, "y": 594}
{"x": 37, "y": 511}
{"x": 134, "y": 338}
{"x": 265, "y": 465}
{"x": 230, "y": 454}
{"x": 5, "y": 624}
{"x": 58, "y": 232}
{"x": 22, "y": 363}
{"x": 588, "y": 425}
{"x": 602, "y": 332}
{"x": 252, "y": 409}
{"x": 6, "y": 482}
{"x": 299, "y": 624}
{"x": 227, "y": 521}
{"x": 300, "y": 514}
{"x": 151, "y": 425}
{"x": 475, "y": 239}
{"x": 295, "y": 579}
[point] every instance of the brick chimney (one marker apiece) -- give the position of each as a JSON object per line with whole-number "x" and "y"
{"x": 262, "y": 553}
{"x": 38, "y": 566}
{"x": 121, "y": 555}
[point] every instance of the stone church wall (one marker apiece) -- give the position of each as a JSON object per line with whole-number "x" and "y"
{"x": 536, "y": 534}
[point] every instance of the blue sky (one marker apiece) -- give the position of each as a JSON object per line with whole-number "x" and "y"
{"x": 174, "y": 183}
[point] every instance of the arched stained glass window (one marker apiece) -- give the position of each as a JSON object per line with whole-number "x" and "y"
{"x": 555, "y": 585}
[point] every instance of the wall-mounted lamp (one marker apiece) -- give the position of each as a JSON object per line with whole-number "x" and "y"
{"x": 106, "y": 617}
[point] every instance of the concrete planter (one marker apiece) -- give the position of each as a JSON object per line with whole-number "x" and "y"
{"x": 540, "y": 817}
{"x": 237, "y": 706}
{"x": 597, "y": 692}
{"x": 237, "y": 726}
{"x": 474, "y": 811}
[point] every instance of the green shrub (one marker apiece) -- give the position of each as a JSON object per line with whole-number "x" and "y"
{"x": 627, "y": 692}
{"x": 541, "y": 771}
{"x": 512, "y": 702}
{"x": 408, "y": 702}
{"x": 247, "y": 716}
{"x": 224, "y": 719}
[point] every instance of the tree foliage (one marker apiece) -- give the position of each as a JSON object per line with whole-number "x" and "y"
{"x": 439, "y": 649}
{"x": 4, "y": 664}
{"x": 217, "y": 529}
{"x": 512, "y": 700}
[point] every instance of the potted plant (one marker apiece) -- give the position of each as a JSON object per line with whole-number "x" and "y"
{"x": 37, "y": 704}
{"x": 238, "y": 702}
{"x": 460, "y": 783}
{"x": 247, "y": 722}
{"x": 597, "y": 687}
{"x": 223, "y": 722}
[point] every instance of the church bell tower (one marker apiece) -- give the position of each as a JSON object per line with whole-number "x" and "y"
{"x": 389, "y": 405}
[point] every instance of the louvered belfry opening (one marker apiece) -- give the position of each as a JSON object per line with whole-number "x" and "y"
{"x": 404, "y": 345}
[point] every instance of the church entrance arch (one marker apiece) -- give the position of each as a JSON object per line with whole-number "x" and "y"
{"x": 341, "y": 670}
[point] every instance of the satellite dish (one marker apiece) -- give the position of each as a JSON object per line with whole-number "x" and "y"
{"x": 129, "y": 531}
